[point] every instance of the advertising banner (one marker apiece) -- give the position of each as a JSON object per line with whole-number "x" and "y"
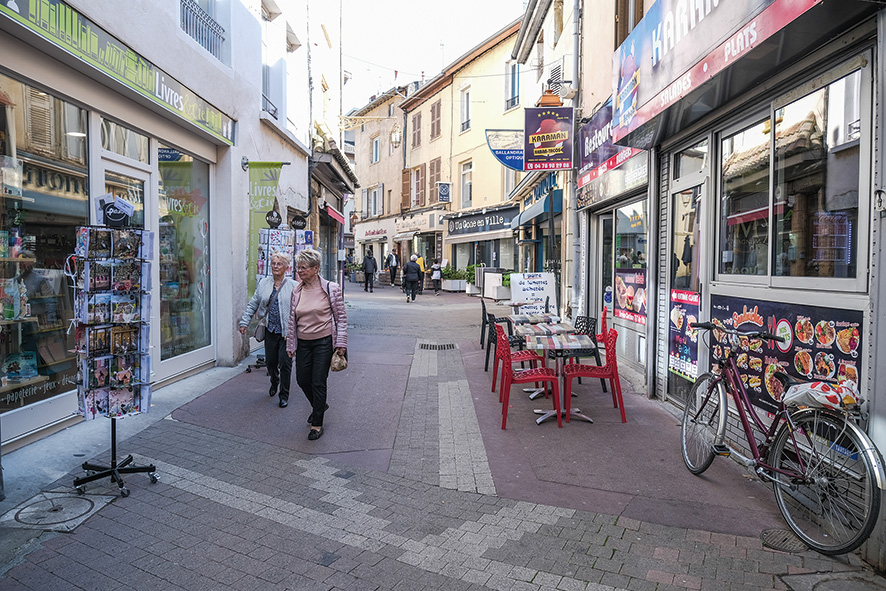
{"x": 630, "y": 295}
{"x": 821, "y": 344}
{"x": 507, "y": 146}
{"x": 679, "y": 45}
{"x": 548, "y": 140}
{"x": 59, "y": 23}
{"x": 264, "y": 178}
{"x": 683, "y": 340}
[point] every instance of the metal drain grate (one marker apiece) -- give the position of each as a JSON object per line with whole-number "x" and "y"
{"x": 783, "y": 540}
{"x": 430, "y": 347}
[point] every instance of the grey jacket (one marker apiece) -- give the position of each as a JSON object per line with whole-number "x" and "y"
{"x": 259, "y": 302}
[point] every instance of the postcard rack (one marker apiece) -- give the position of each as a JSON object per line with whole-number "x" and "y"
{"x": 111, "y": 270}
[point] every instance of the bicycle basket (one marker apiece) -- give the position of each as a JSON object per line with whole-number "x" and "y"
{"x": 824, "y": 395}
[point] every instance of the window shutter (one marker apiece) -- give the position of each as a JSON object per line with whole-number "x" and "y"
{"x": 422, "y": 171}
{"x": 41, "y": 122}
{"x": 365, "y": 203}
{"x": 404, "y": 190}
{"x": 381, "y": 199}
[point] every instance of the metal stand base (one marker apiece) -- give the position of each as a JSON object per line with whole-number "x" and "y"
{"x": 99, "y": 471}
{"x": 574, "y": 413}
{"x": 260, "y": 362}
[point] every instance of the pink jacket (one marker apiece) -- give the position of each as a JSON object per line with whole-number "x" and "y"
{"x": 339, "y": 318}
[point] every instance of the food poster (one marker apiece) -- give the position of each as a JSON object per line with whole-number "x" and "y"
{"x": 683, "y": 340}
{"x": 630, "y": 295}
{"x": 821, "y": 344}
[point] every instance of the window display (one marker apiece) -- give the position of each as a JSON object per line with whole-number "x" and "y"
{"x": 183, "y": 244}
{"x": 630, "y": 263}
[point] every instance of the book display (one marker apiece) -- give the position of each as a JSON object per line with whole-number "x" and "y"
{"x": 111, "y": 270}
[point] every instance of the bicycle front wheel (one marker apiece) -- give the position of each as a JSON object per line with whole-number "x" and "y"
{"x": 704, "y": 423}
{"x": 829, "y": 495}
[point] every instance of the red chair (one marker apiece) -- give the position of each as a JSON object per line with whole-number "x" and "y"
{"x": 503, "y": 342}
{"x": 510, "y": 376}
{"x": 608, "y": 371}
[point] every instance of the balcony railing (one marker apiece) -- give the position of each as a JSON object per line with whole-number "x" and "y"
{"x": 512, "y": 102}
{"x": 202, "y": 28}
{"x": 268, "y": 106}
{"x": 466, "y": 125}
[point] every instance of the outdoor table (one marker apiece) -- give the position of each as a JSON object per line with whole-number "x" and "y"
{"x": 543, "y": 329}
{"x": 516, "y": 319}
{"x": 516, "y": 305}
{"x": 561, "y": 344}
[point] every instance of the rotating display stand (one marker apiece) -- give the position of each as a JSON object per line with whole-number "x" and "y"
{"x": 111, "y": 270}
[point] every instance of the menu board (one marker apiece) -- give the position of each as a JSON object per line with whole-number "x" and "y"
{"x": 534, "y": 288}
{"x": 630, "y": 295}
{"x": 683, "y": 340}
{"x": 821, "y": 344}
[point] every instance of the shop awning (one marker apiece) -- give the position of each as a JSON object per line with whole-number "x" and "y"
{"x": 538, "y": 208}
{"x": 335, "y": 214}
{"x": 479, "y": 236}
{"x": 404, "y": 236}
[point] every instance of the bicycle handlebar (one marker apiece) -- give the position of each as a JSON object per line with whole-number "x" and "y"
{"x": 753, "y": 334}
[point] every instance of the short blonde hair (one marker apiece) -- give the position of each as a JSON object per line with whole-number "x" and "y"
{"x": 308, "y": 256}
{"x": 283, "y": 256}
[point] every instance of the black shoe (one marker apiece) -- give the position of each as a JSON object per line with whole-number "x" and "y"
{"x": 324, "y": 410}
{"x": 273, "y": 391}
{"x": 315, "y": 434}
{"x": 370, "y": 291}
{"x": 284, "y": 403}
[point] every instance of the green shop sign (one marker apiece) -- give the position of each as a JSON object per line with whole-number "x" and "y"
{"x": 62, "y": 25}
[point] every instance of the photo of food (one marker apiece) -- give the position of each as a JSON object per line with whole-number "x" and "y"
{"x": 847, "y": 340}
{"x": 773, "y": 385}
{"x": 756, "y": 363}
{"x": 803, "y": 363}
{"x": 639, "y": 300}
{"x": 756, "y": 345}
{"x": 825, "y": 333}
{"x": 754, "y": 381}
{"x": 804, "y": 331}
{"x": 744, "y": 342}
{"x": 621, "y": 292}
{"x": 691, "y": 332}
{"x": 629, "y": 297}
{"x": 677, "y": 317}
{"x": 847, "y": 371}
{"x": 742, "y": 360}
{"x": 824, "y": 365}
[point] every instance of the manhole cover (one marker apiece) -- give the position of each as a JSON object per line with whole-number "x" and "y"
{"x": 54, "y": 511}
{"x": 783, "y": 540}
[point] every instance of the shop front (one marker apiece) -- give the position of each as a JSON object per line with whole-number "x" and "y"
{"x": 613, "y": 209}
{"x": 481, "y": 237}
{"x": 375, "y": 235}
{"x": 539, "y": 223}
{"x": 764, "y": 209}
{"x": 420, "y": 233}
{"x": 64, "y": 152}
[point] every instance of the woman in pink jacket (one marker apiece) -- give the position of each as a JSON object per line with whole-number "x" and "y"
{"x": 317, "y": 326}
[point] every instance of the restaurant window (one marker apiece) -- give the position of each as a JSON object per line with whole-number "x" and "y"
{"x": 183, "y": 244}
{"x": 790, "y": 182}
{"x": 630, "y": 250}
{"x": 44, "y": 197}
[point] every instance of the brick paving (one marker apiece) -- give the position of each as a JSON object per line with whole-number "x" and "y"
{"x": 231, "y": 512}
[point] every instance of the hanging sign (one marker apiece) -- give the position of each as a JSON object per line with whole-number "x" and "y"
{"x": 444, "y": 192}
{"x": 548, "y": 138}
{"x": 507, "y": 146}
{"x": 299, "y": 223}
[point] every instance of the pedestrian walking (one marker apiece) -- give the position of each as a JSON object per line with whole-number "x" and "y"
{"x": 317, "y": 325}
{"x": 392, "y": 263}
{"x": 273, "y": 295}
{"x": 421, "y": 282}
{"x": 370, "y": 266}
{"x": 412, "y": 274}
{"x": 436, "y": 276}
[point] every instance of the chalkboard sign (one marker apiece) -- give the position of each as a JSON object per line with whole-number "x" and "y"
{"x": 535, "y": 288}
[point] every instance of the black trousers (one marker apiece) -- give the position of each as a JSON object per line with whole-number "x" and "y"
{"x": 312, "y": 359}
{"x": 368, "y": 279}
{"x": 393, "y": 274}
{"x": 279, "y": 363}
{"x": 411, "y": 288}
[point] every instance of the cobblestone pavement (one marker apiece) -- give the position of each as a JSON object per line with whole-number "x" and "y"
{"x": 230, "y": 512}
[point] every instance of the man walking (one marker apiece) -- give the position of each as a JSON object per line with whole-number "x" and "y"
{"x": 392, "y": 263}
{"x": 370, "y": 266}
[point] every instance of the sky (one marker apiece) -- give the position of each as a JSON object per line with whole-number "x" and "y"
{"x": 381, "y": 37}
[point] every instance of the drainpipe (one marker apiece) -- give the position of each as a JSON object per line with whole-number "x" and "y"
{"x": 573, "y": 200}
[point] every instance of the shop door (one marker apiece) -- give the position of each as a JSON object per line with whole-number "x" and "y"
{"x": 605, "y": 279}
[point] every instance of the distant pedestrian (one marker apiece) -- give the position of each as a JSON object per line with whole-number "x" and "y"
{"x": 436, "y": 275}
{"x": 370, "y": 266}
{"x": 411, "y": 276}
{"x": 318, "y": 326}
{"x": 392, "y": 263}
{"x": 421, "y": 282}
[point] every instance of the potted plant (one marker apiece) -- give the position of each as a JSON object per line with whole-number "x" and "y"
{"x": 351, "y": 271}
{"x": 470, "y": 288}
{"x": 452, "y": 279}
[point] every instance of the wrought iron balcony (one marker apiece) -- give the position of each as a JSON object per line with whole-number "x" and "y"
{"x": 197, "y": 23}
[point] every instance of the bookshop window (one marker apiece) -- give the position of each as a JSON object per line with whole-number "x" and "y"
{"x": 44, "y": 197}
{"x": 183, "y": 241}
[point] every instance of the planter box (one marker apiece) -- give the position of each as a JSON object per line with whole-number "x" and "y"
{"x": 500, "y": 292}
{"x": 471, "y": 289}
{"x": 360, "y": 276}
{"x": 453, "y": 284}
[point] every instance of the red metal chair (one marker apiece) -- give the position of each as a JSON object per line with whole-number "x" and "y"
{"x": 608, "y": 371}
{"x": 502, "y": 341}
{"x": 510, "y": 376}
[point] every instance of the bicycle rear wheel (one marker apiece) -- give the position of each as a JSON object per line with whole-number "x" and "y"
{"x": 704, "y": 423}
{"x": 834, "y": 508}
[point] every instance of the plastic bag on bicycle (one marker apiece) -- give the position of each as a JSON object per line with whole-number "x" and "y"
{"x": 824, "y": 395}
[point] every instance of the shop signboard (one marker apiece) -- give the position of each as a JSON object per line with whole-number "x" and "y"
{"x": 630, "y": 295}
{"x": 682, "y": 339}
{"x": 821, "y": 344}
{"x": 65, "y": 27}
{"x": 679, "y": 45}
{"x": 482, "y": 222}
{"x": 533, "y": 287}
{"x": 507, "y": 147}
{"x": 548, "y": 138}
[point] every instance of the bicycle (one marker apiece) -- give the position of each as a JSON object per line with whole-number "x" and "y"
{"x": 825, "y": 471}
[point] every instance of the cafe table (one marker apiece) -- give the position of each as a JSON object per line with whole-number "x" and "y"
{"x": 516, "y": 305}
{"x": 516, "y": 319}
{"x": 562, "y": 344}
{"x": 543, "y": 329}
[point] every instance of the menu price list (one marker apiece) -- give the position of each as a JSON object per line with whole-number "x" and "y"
{"x": 682, "y": 338}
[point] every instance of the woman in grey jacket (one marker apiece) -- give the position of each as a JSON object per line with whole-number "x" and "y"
{"x": 271, "y": 299}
